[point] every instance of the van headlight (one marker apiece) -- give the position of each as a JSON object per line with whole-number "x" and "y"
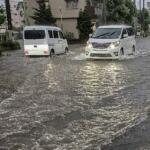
{"x": 89, "y": 45}
{"x": 114, "y": 44}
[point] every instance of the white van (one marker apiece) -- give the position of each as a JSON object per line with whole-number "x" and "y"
{"x": 44, "y": 40}
{"x": 111, "y": 42}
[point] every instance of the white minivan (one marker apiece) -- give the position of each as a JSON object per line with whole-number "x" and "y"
{"x": 44, "y": 40}
{"x": 111, "y": 42}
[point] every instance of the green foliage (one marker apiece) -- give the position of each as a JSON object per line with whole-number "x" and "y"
{"x": 9, "y": 45}
{"x": 69, "y": 35}
{"x": 121, "y": 11}
{"x": 144, "y": 20}
{"x": 2, "y": 16}
{"x": 43, "y": 15}
{"x": 84, "y": 24}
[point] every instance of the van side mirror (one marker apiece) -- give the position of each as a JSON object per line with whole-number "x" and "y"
{"x": 90, "y": 35}
{"x": 125, "y": 36}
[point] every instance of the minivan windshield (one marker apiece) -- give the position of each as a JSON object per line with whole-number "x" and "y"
{"x": 34, "y": 34}
{"x": 107, "y": 33}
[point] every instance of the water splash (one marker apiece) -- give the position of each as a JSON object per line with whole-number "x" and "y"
{"x": 81, "y": 56}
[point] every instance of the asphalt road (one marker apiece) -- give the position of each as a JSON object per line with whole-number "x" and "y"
{"x": 68, "y": 103}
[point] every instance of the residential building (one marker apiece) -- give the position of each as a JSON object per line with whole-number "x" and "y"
{"x": 3, "y": 27}
{"x": 29, "y": 6}
{"x": 17, "y": 13}
{"x": 66, "y": 12}
{"x": 139, "y": 4}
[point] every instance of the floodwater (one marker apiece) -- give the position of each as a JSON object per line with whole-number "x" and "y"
{"x": 68, "y": 103}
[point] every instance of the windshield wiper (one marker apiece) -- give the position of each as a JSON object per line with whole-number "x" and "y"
{"x": 102, "y": 35}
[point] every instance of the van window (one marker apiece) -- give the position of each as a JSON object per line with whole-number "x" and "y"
{"x": 61, "y": 35}
{"x": 50, "y": 33}
{"x": 130, "y": 31}
{"x": 34, "y": 34}
{"x": 56, "y": 34}
{"x": 124, "y": 32}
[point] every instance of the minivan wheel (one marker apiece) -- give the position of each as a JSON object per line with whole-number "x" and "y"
{"x": 52, "y": 53}
{"x": 66, "y": 50}
{"x": 133, "y": 49}
{"x": 121, "y": 52}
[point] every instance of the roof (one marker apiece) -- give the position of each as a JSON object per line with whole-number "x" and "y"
{"x": 41, "y": 27}
{"x": 115, "y": 26}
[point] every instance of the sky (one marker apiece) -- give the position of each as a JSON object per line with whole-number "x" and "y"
{"x": 1, "y": 2}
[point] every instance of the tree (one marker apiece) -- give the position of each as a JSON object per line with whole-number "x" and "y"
{"x": 43, "y": 15}
{"x": 144, "y": 19}
{"x": 84, "y": 24}
{"x": 2, "y": 16}
{"x": 121, "y": 11}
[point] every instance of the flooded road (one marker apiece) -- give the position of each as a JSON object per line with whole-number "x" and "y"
{"x": 68, "y": 103}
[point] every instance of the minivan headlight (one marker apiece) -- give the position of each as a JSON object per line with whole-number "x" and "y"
{"x": 89, "y": 45}
{"x": 114, "y": 44}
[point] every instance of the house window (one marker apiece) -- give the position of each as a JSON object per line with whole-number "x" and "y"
{"x": 148, "y": 5}
{"x": 72, "y": 4}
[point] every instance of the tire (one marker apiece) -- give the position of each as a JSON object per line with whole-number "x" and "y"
{"x": 121, "y": 52}
{"x": 133, "y": 49}
{"x": 52, "y": 53}
{"x": 66, "y": 50}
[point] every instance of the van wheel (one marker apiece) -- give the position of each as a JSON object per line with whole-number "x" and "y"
{"x": 66, "y": 50}
{"x": 52, "y": 53}
{"x": 133, "y": 49}
{"x": 121, "y": 52}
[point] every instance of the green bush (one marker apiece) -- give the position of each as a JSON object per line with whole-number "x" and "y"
{"x": 9, "y": 45}
{"x": 69, "y": 36}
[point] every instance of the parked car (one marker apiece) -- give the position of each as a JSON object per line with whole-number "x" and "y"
{"x": 44, "y": 40}
{"x": 111, "y": 42}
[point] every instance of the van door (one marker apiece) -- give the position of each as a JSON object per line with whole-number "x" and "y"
{"x": 131, "y": 38}
{"x": 57, "y": 42}
{"x": 62, "y": 41}
{"x": 50, "y": 39}
{"x": 124, "y": 41}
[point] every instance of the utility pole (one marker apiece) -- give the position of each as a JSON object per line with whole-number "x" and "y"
{"x": 61, "y": 18}
{"x": 143, "y": 15}
{"x": 104, "y": 11}
{"x": 8, "y": 14}
{"x": 24, "y": 8}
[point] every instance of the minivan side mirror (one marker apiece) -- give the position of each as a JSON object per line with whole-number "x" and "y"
{"x": 125, "y": 36}
{"x": 90, "y": 35}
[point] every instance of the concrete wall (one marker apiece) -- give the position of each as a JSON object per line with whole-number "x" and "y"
{"x": 69, "y": 25}
{"x": 56, "y": 5}
{"x": 69, "y": 15}
{"x": 30, "y": 5}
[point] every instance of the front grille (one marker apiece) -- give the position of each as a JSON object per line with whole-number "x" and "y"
{"x": 100, "y": 55}
{"x": 101, "y": 45}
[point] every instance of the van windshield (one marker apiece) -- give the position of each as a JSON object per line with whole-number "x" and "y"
{"x": 107, "y": 33}
{"x": 34, "y": 34}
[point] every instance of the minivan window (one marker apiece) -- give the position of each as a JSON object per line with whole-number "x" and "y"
{"x": 107, "y": 33}
{"x": 56, "y": 34}
{"x": 124, "y": 32}
{"x": 50, "y": 33}
{"x": 34, "y": 34}
{"x": 130, "y": 31}
{"x": 61, "y": 35}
